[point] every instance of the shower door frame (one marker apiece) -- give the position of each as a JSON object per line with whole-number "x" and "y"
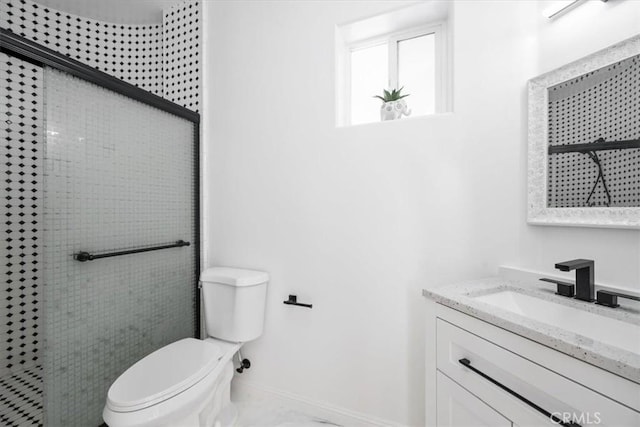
{"x": 22, "y": 48}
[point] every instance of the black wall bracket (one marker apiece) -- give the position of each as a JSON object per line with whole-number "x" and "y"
{"x": 293, "y": 300}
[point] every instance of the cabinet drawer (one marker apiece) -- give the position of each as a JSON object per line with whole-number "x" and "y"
{"x": 552, "y": 392}
{"x": 459, "y": 408}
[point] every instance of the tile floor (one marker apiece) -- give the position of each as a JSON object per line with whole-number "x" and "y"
{"x": 21, "y": 405}
{"x": 268, "y": 414}
{"x": 21, "y": 398}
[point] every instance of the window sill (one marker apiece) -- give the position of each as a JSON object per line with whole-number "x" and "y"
{"x": 410, "y": 119}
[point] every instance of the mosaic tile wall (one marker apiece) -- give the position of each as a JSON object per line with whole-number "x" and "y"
{"x": 21, "y": 134}
{"x": 130, "y": 52}
{"x": 133, "y": 53}
{"x": 181, "y": 54}
{"x": 100, "y": 316}
{"x": 601, "y": 104}
{"x": 21, "y": 119}
{"x": 118, "y": 174}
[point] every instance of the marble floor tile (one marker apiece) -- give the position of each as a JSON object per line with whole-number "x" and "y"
{"x": 270, "y": 414}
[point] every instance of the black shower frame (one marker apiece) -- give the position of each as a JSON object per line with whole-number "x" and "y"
{"x": 37, "y": 54}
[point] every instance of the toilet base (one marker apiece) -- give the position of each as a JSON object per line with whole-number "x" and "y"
{"x": 227, "y": 417}
{"x": 216, "y": 403}
{"x": 204, "y": 413}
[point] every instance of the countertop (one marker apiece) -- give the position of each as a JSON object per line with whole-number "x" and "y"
{"x": 460, "y": 297}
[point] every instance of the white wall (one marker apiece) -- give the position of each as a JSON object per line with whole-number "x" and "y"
{"x": 358, "y": 220}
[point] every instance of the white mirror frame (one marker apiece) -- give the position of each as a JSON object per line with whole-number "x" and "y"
{"x": 537, "y": 210}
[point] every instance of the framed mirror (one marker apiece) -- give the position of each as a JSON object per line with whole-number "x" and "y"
{"x": 584, "y": 141}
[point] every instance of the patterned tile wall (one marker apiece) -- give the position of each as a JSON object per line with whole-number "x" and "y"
{"x": 133, "y": 53}
{"x": 118, "y": 174}
{"x": 130, "y": 52}
{"x": 21, "y": 120}
{"x": 21, "y": 335}
{"x": 182, "y": 44}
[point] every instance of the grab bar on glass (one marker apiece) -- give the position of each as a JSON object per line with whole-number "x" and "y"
{"x": 86, "y": 256}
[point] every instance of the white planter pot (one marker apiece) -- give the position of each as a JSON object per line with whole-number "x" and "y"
{"x": 393, "y": 110}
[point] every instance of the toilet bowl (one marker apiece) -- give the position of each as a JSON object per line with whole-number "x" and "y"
{"x": 187, "y": 383}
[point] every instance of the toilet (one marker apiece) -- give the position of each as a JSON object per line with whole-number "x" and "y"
{"x": 188, "y": 382}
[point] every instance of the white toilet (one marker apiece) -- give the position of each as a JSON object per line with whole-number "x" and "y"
{"x": 187, "y": 383}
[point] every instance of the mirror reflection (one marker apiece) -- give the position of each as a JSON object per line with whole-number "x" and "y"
{"x": 594, "y": 138}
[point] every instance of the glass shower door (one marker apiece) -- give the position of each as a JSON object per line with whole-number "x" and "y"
{"x": 118, "y": 175}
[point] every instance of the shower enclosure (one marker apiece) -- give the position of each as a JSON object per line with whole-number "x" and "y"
{"x": 100, "y": 232}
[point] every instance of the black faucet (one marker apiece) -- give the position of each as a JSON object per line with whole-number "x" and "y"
{"x": 584, "y": 276}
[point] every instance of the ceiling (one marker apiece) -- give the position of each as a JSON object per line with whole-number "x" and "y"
{"x": 115, "y": 11}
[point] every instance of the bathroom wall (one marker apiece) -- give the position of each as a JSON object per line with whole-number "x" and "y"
{"x": 357, "y": 220}
{"x": 130, "y": 52}
{"x": 162, "y": 58}
{"x": 21, "y": 130}
{"x": 181, "y": 54}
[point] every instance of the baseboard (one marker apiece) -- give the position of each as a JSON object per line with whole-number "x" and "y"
{"x": 242, "y": 390}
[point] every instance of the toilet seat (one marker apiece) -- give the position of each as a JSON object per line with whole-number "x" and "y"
{"x": 163, "y": 374}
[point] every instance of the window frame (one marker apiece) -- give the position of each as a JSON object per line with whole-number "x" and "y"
{"x": 392, "y": 39}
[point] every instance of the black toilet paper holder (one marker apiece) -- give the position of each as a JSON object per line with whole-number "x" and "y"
{"x": 293, "y": 300}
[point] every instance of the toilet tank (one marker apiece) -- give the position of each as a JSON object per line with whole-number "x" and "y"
{"x": 234, "y": 301}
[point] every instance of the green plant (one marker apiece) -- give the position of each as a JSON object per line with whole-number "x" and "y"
{"x": 394, "y": 95}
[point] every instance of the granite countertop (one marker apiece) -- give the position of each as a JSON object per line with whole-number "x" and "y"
{"x": 460, "y": 297}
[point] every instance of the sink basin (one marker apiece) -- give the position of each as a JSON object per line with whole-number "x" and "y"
{"x": 599, "y": 328}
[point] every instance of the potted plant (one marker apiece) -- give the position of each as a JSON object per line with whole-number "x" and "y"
{"x": 393, "y": 104}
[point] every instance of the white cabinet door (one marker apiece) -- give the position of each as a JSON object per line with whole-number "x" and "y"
{"x": 456, "y": 407}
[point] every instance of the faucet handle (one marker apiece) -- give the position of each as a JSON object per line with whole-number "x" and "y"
{"x": 565, "y": 289}
{"x": 610, "y": 298}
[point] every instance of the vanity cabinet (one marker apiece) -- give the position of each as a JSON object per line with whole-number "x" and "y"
{"x": 459, "y": 408}
{"x": 478, "y": 374}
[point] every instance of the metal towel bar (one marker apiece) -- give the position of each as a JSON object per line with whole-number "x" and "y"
{"x": 598, "y": 145}
{"x": 86, "y": 256}
{"x": 293, "y": 300}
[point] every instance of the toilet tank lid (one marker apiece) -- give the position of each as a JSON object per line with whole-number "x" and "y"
{"x": 234, "y": 276}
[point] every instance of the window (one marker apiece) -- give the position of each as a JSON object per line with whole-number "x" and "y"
{"x": 369, "y": 73}
{"x": 417, "y": 71}
{"x": 409, "y": 47}
{"x": 411, "y": 60}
